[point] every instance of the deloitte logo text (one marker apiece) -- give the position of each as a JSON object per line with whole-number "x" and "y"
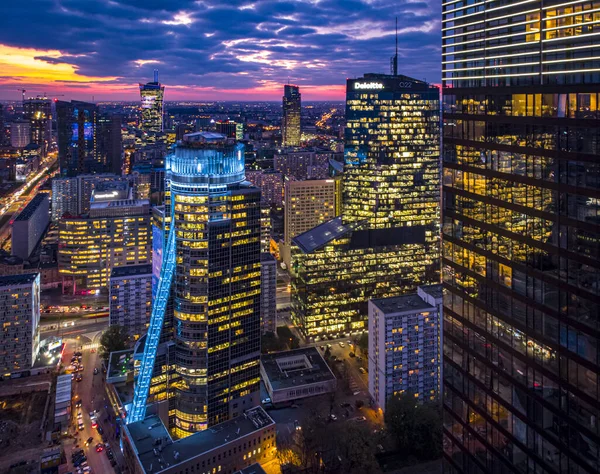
{"x": 368, "y": 85}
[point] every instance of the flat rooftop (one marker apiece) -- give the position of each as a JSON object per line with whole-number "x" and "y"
{"x": 435, "y": 291}
{"x": 32, "y": 207}
{"x": 402, "y": 304}
{"x": 151, "y": 433}
{"x": 321, "y": 235}
{"x": 119, "y": 203}
{"x": 254, "y": 469}
{"x": 132, "y": 270}
{"x": 283, "y": 372}
{"x": 25, "y": 279}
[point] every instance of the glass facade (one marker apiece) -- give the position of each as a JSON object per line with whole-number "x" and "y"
{"x": 290, "y": 123}
{"x": 151, "y": 95}
{"x": 75, "y": 122}
{"x": 390, "y": 206}
{"x": 521, "y": 236}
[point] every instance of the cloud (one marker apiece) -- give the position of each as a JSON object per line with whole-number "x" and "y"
{"x": 207, "y": 48}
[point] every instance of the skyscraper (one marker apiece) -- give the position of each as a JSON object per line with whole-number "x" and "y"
{"x": 521, "y": 236}
{"x": 387, "y": 241}
{"x": 290, "y": 122}
{"x": 211, "y": 266}
{"x": 75, "y": 122}
{"x": 152, "y": 105}
{"x": 109, "y": 143}
{"x": 38, "y": 111}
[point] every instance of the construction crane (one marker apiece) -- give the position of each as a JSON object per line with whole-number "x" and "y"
{"x": 23, "y": 92}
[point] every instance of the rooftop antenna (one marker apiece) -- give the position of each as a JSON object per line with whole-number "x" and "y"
{"x": 156, "y": 75}
{"x": 394, "y": 60}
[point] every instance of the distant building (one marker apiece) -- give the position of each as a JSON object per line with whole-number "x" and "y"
{"x": 19, "y": 319}
{"x": 38, "y": 111}
{"x": 75, "y": 125}
{"x": 268, "y": 292}
{"x": 290, "y": 122}
{"x": 405, "y": 344}
{"x": 30, "y": 225}
{"x": 152, "y": 95}
{"x": 130, "y": 298}
{"x": 235, "y": 444}
{"x": 270, "y": 183}
{"x": 303, "y": 164}
{"x": 295, "y": 374}
{"x": 115, "y": 234}
{"x": 20, "y": 133}
{"x": 227, "y": 128}
{"x": 109, "y": 143}
{"x": 65, "y": 197}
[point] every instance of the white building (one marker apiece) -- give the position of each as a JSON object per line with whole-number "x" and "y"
{"x": 130, "y": 298}
{"x": 405, "y": 345}
{"x": 268, "y": 293}
{"x": 19, "y": 319}
{"x": 30, "y": 225}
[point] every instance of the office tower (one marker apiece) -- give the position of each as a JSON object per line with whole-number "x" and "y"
{"x": 20, "y": 319}
{"x": 38, "y": 111}
{"x": 211, "y": 266}
{"x": 308, "y": 204}
{"x": 290, "y": 122}
{"x": 302, "y": 164}
{"x": 64, "y": 198}
{"x": 270, "y": 184}
{"x": 75, "y": 125}
{"x": 114, "y": 234}
{"x": 130, "y": 298}
{"x": 387, "y": 241}
{"x": 109, "y": 143}
{"x": 2, "y": 127}
{"x": 227, "y": 128}
{"x": 520, "y": 233}
{"x": 20, "y": 133}
{"x": 404, "y": 345}
{"x": 29, "y": 226}
{"x": 152, "y": 95}
{"x": 268, "y": 293}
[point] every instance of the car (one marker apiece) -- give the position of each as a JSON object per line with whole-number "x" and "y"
{"x": 79, "y": 461}
{"x": 81, "y": 368}
{"x": 99, "y": 447}
{"x": 79, "y": 416}
{"x": 297, "y": 425}
{"x": 322, "y": 348}
{"x": 87, "y": 469}
{"x": 360, "y": 418}
{"x": 95, "y": 370}
{"x": 89, "y": 441}
{"x": 78, "y": 404}
{"x": 349, "y": 342}
{"x": 93, "y": 415}
{"x": 94, "y": 424}
{"x": 332, "y": 417}
{"x": 341, "y": 344}
{"x": 79, "y": 378}
{"x": 81, "y": 427}
{"x": 328, "y": 346}
{"x": 362, "y": 370}
{"x": 266, "y": 400}
{"x": 78, "y": 452}
{"x": 100, "y": 430}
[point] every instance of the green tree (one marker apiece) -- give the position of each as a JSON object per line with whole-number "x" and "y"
{"x": 115, "y": 338}
{"x": 356, "y": 450}
{"x": 363, "y": 344}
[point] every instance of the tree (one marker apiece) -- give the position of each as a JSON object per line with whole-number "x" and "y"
{"x": 269, "y": 342}
{"x": 363, "y": 344}
{"x": 285, "y": 335}
{"x": 416, "y": 428}
{"x": 356, "y": 450}
{"x": 115, "y": 338}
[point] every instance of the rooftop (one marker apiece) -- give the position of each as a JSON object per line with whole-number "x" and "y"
{"x": 149, "y": 434}
{"x": 321, "y": 235}
{"x": 25, "y": 279}
{"x": 435, "y": 291}
{"x": 296, "y": 367}
{"x": 402, "y": 304}
{"x": 32, "y": 207}
{"x": 120, "y": 203}
{"x": 254, "y": 469}
{"x": 131, "y": 270}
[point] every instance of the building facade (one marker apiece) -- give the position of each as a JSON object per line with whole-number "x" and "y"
{"x": 387, "y": 240}
{"x": 268, "y": 293}
{"x": 521, "y": 237}
{"x": 20, "y": 319}
{"x": 270, "y": 183}
{"x": 20, "y": 134}
{"x": 211, "y": 267}
{"x": 290, "y": 122}
{"x": 302, "y": 164}
{"x": 130, "y": 298}
{"x": 39, "y": 113}
{"x": 109, "y": 143}
{"x": 75, "y": 126}
{"x": 29, "y": 226}
{"x": 152, "y": 95}
{"x": 404, "y": 345}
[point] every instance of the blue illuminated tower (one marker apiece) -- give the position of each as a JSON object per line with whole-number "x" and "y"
{"x": 211, "y": 268}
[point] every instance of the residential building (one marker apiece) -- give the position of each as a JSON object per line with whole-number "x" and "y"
{"x": 302, "y": 164}
{"x": 20, "y": 319}
{"x": 521, "y": 237}
{"x": 405, "y": 346}
{"x": 210, "y": 268}
{"x": 386, "y": 242}
{"x": 290, "y": 122}
{"x": 130, "y": 298}
{"x": 65, "y": 198}
{"x": 270, "y": 183}
{"x": 268, "y": 293}
{"x": 152, "y": 95}
{"x": 29, "y": 226}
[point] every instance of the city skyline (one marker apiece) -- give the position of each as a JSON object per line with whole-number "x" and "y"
{"x": 242, "y": 50}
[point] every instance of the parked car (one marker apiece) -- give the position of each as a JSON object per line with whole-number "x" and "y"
{"x": 362, "y": 370}
{"x": 332, "y": 417}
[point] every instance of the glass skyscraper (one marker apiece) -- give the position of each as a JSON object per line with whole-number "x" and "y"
{"x": 75, "y": 122}
{"x": 387, "y": 240}
{"x": 152, "y": 95}
{"x": 290, "y": 123}
{"x": 521, "y": 236}
{"x": 211, "y": 270}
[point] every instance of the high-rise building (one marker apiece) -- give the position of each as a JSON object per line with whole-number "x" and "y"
{"x": 20, "y": 133}
{"x": 211, "y": 267}
{"x": 38, "y": 111}
{"x": 521, "y": 237}
{"x": 387, "y": 240}
{"x": 109, "y": 143}
{"x": 404, "y": 345}
{"x": 64, "y": 197}
{"x": 114, "y": 234}
{"x": 152, "y": 95}
{"x": 20, "y": 319}
{"x": 29, "y": 226}
{"x": 302, "y": 164}
{"x": 130, "y": 298}
{"x": 270, "y": 184}
{"x": 227, "y": 128}
{"x": 268, "y": 293}
{"x": 75, "y": 122}
{"x": 290, "y": 122}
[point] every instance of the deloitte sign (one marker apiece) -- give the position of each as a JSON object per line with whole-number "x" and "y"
{"x": 368, "y": 85}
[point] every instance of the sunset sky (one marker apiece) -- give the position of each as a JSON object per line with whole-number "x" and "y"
{"x": 206, "y": 50}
